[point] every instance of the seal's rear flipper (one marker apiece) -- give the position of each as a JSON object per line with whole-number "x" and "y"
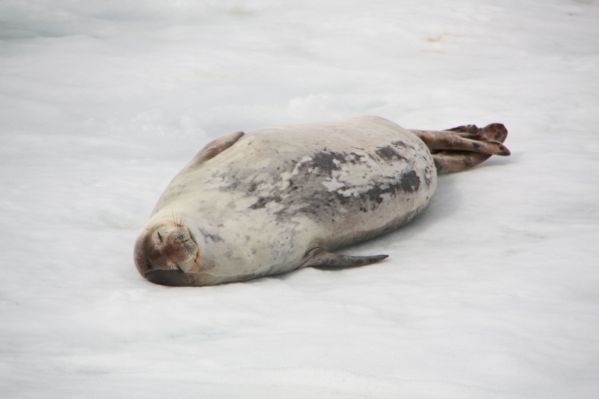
{"x": 320, "y": 258}
{"x": 464, "y": 147}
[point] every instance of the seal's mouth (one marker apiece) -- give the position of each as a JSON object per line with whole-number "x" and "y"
{"x": 173, "y": 278}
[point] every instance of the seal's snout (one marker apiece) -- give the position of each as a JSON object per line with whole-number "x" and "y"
{"x": 166, "y": 247}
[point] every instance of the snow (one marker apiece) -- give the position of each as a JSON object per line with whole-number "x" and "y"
{"x": 493, "y": 292}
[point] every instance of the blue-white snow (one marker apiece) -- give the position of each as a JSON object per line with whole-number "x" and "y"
{"x": 491, "y": 293}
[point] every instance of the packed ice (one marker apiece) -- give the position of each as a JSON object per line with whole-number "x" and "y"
{"x": 492, "y": 292}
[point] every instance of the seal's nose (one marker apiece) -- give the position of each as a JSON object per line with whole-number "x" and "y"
{"x": 166, "y": 247}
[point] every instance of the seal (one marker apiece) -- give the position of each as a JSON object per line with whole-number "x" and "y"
{"x": 280, "y": 199}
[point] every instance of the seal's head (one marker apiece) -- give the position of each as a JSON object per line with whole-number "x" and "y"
{"x": 167, "y": 253}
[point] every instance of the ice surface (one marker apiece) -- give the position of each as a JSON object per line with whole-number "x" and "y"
{"x": 492, "y": 293}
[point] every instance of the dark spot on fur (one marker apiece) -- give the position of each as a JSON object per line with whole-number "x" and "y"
{"x": 263, "y": 201}
{"x": 410, "y": 182}
{"x": 354, "y": 158}
{"x": 327, "y": 161}
{"x": 428, "y": 176}
{"x": 403, "y": 145}
{"x": 389, "y": 153}
{"x": 375, "y": 193}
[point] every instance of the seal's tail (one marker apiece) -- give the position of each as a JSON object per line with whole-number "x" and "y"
{"x": 463, "y": 147}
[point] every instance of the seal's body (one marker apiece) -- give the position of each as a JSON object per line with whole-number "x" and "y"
{"x": 263, "y": 203}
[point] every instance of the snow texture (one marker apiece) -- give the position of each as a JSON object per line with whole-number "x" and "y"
{"x": 493, "y": 292}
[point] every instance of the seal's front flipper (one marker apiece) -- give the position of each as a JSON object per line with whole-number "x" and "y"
{"x": 320, "y": 258}
{"x": 216, "y": 146}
